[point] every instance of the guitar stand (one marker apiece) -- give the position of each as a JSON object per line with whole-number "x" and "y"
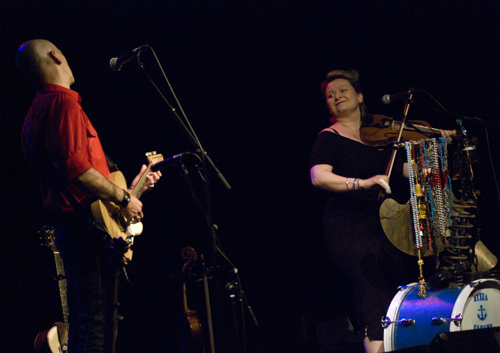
{"x": 239, "y": 299}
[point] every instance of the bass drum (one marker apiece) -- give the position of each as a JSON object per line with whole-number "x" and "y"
{"x": 412, "y": 321}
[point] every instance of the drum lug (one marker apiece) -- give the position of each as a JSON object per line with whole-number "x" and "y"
{"x": 438, "y": 320}
{"x": 385, "y": 321}
{"x": 407, "y": 322}
{"x": 457, "y": 320}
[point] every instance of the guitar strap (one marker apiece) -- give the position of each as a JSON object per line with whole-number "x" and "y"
{"x": 112, "y": 166}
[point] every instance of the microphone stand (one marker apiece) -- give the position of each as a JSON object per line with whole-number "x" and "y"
{"x": 185, "y": 124}
{"x": 207, "y": 211}
{"x": 464, "y": 133}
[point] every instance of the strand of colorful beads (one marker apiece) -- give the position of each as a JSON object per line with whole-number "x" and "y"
{"x": 428, "y": 179}
{"x": 413, "y": 196}
{"x": 428, "y": 173}
{"x": 425, "y": 225}
{"x": 418, "y": 233}
{"x": 418, "y": 191}
{"x": 437, "y": 189}
{"x": 447, "y": 191}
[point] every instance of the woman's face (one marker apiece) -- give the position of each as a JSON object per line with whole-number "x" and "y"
{"x": 341, "y": 97}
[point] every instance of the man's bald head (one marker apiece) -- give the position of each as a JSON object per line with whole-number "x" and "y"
{"x": 41, "y": 62}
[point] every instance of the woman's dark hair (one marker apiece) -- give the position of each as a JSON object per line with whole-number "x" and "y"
{"x": 353, "y": 77}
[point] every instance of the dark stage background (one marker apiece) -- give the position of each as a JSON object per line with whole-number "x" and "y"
{"x": 247, "y": 75}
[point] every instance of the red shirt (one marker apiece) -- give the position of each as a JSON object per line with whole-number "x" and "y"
{"x": 61, "y": 132}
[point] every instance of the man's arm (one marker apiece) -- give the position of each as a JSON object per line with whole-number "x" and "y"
{"x": 95, "y": 183}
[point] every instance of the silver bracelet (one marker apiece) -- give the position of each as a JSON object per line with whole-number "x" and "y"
{"x": 347, "y": 184}
{"x": 354, "y": 184}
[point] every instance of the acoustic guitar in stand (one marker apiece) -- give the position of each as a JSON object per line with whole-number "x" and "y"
{"x": 55, "y": 339}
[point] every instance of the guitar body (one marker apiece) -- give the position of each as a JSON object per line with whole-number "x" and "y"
{"x": 53, "y": 340}
{"x": 108, "y": 214}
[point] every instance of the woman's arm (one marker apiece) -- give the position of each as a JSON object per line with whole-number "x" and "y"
{"x": 323, "y": 178}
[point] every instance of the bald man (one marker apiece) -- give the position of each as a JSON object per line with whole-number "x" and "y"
{"x": 64, "y": 150}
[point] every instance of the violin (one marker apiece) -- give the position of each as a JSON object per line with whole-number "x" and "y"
{"x": 384, "y": 131}
{"x": 193, "y": 340}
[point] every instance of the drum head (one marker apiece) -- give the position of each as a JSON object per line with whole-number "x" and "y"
{"x": 479, "y": 306}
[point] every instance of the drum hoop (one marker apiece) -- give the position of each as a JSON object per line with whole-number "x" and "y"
{"x": 392, "y": 313}
{"x": 466, "y": 292}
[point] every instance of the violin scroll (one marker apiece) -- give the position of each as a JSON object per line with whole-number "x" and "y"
{"x": 191, "y": 256}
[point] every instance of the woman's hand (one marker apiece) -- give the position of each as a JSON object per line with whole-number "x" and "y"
{"x": 445, "y": 133}
{"x": 376, "y": 182}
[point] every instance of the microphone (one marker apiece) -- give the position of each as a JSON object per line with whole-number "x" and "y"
{"x": 389, "y": 98}
{"x": 116, "y": 64}
{"x": 168, "y": 161}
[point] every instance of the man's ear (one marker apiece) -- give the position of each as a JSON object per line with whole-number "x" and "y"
{"x": 54, "y": 57}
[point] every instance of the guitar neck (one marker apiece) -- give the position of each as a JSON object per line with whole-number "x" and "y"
{"x": 61, "y": 279}
{"x": 138, "y": 190}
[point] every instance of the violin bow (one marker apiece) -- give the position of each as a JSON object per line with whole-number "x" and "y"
{"x": 398, "y": 140}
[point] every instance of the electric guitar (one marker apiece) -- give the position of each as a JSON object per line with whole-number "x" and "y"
{"x": 55, "y": 339}
{"x": 108, "y": 214}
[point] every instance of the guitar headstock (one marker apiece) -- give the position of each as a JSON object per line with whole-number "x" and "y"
{"x": 47, "y": 235}
{"x": 154, "y": 157}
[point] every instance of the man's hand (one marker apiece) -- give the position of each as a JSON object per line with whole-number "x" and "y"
{"x": 133, "y": 211}
{"x": 152, "y": 178}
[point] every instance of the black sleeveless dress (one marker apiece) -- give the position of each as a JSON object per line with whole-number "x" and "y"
{"x": 370, "y": 266}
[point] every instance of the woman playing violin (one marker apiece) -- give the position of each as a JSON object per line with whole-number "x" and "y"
{"x": 354, "y": 174}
